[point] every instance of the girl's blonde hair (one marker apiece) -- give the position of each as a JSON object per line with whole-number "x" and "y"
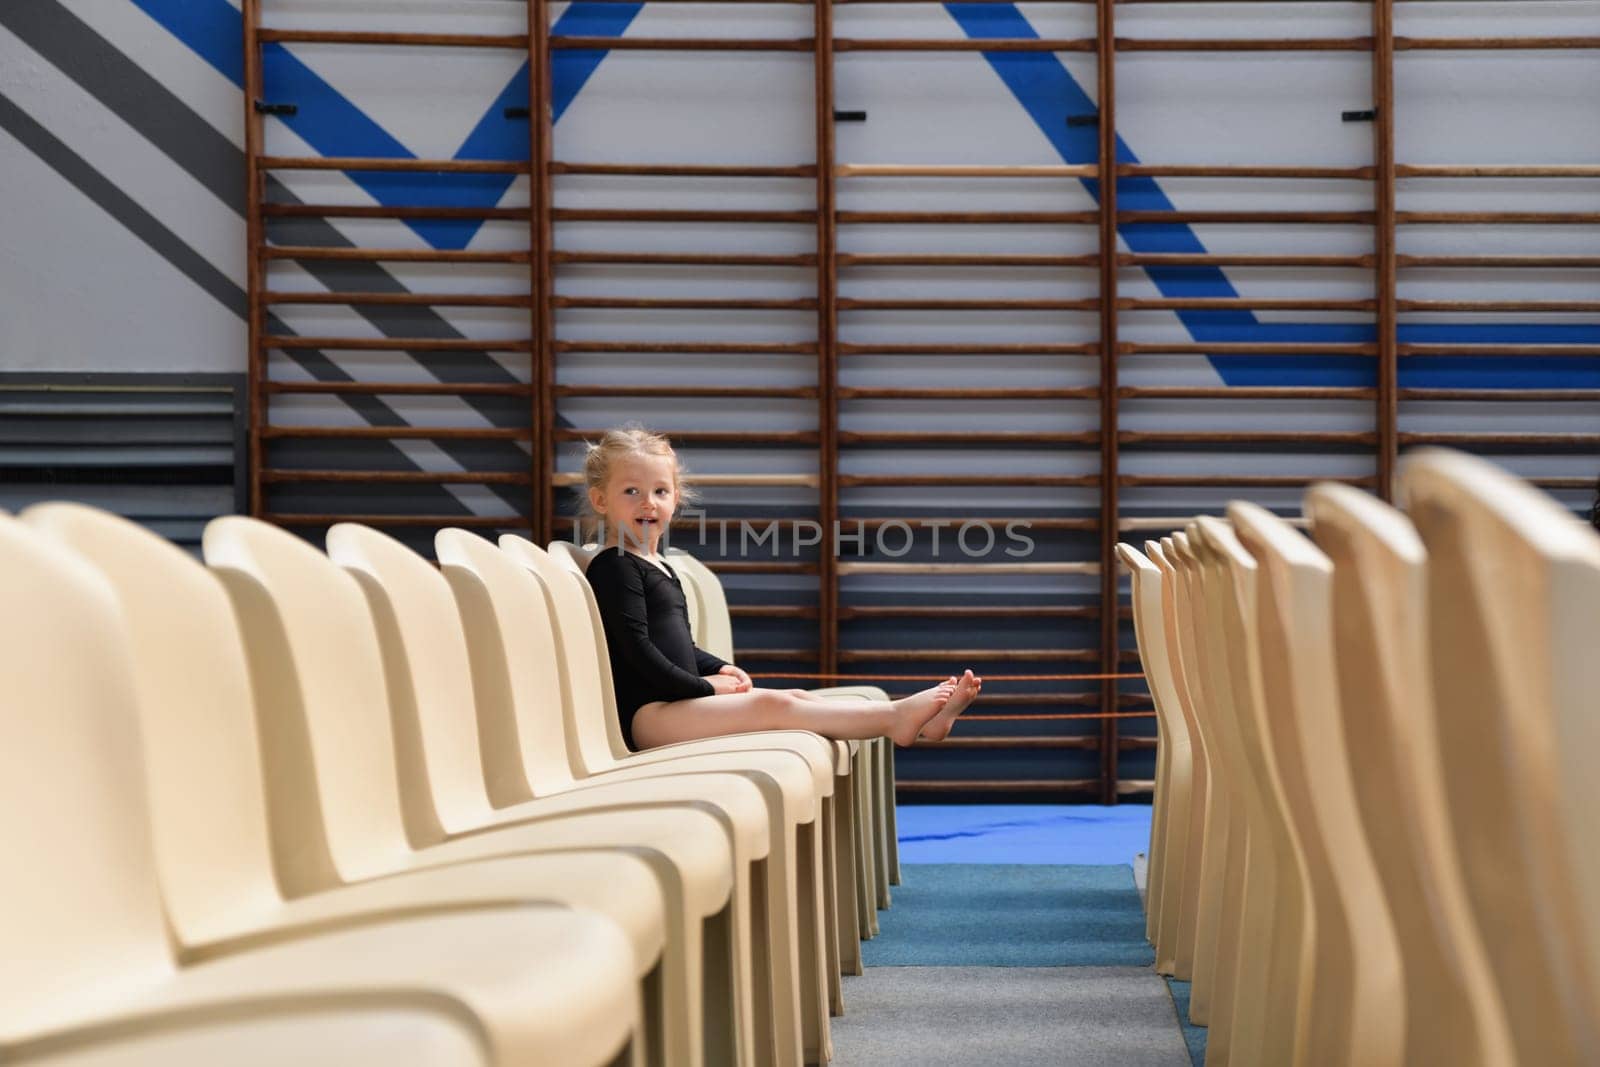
{"x": 629, "y": 440}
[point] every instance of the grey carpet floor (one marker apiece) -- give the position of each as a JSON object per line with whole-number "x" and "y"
{"x": 1008, "y": 1017}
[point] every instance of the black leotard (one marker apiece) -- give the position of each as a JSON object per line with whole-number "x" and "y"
{"x": 647, "y": 634}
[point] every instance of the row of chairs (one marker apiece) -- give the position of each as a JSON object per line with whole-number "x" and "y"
{"x": 1374, "y": 841}
{"x": 288, "y": 806}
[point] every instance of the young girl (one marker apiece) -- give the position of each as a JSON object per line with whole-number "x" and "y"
{"x": 667, "y": 689}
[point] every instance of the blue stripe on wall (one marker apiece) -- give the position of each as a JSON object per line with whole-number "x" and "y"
{"x": 1039, "y": 82}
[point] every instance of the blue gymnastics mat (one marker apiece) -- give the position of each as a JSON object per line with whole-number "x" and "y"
{"x": 1022, "y": 833}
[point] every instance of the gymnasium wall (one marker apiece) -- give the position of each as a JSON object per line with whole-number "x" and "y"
{"x": 122, "y": 253}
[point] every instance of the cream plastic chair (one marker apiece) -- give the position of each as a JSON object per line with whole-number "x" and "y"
{"x": 1171, "y": 821}
{"x": 1453, "y": 1005}
{"x": 1512, "y": 589}
{"x": 1184, "y": 911}
{"x": 796, "y": 772}
{"x": 717, "y": 627}
{"x": 1351, "y": 971}
{"x": 1224, "y": 833}
{"x": 89, "y": 974}
{"x": 330, "y": 747}
{"x": 433, "y": 674}
{"x": 853, "y": 828}
{"x": 207, "y": 793}
{"x": 1283, "y": 933}
{"x": 1239, "y": 1024}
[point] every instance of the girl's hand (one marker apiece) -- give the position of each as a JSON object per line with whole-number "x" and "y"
{"x": 723, "y": 684}
{"x": 736, "y": 672}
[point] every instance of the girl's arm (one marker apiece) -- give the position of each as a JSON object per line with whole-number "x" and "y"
{"x": 706, "y": 663}
{"x": 619, "y": 592}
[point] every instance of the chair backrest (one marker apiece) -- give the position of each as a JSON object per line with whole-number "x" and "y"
{"x": 315, "y": 656}
{"x": 517, "y": 671}
{"x": 715, "y": 633}
{"x": 589, "y": 701}
{"x": 80, "y": 913}
{"x": 1514, "y": 596}
{"x": 1176, "y": 678}
{"x": 1357, "y": 1011}
{"x": 208, "y": 805}
{"x": 1400, "y": 739}
{"x": 429, "y": 673}
{"x": 1150, "y": 632}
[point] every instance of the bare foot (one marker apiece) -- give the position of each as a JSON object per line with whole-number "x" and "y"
{"x": 914, "y": 712}
{"x": 966, "y": 691}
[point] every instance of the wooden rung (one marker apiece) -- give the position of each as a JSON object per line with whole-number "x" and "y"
{"x": 683, "y": 170}
{"x": 975, "y": 218}
{"x": 381, "y": 211}
{"x": 642, "y": 303}
{"x": 758, "y": 567}
{"x": 909, "y": 170}
{"x": 987, "y": 655}
{"x": 1501, "y": 262}
{"x": 1277, "y": 218}
{"x": 399, "y": 477}
{"x": 889, "y": 438}
{"x": 1585, "y": 484}
{"x": 1166, "y": 523}
{"x": 771, "y": 611}
{"x": 1498, "y": 350}
{"x": 968, "y": 611}
{"x": 1169, "y": 170}
{"x": 727, "y": 348}
{"x": 1089, "y": 348}
{"x": 396, "y": 433}
{"x": 572, "y": 214}
{"x": 1182, "y": 437}
{"x": 683, "y": 44}
{"x": 1213, "y": 259}
{"x": 449, "y": 40}
{"x": 1037, "y": 523}
{"x": 403, "y": 388}
{"x": 399, "y": 299}
{"x": 1196, "y": 303}
{"x": 1480, "y": 170}
{"x": 968, "y": 568}
{"x": 391, "y": 255}
{"x": 440, "y": 522}
{"x": 1504, "y": 440}
{"x": 1472, "y": 44}
{"x": 711, "y": 437}
{"x": 396, "y": 344}
{"x": 803, "y": 392}
{"x": 685, "y": 259}
{"x": 426, "y": 166}
{"x": 1008, "y": 785}
{"x": 1520, "y": 218}
{"x": 1050, "y": 480}
{"x": 881, "y": 259}
{"x": 1498, "y": 305}
{"x": 1500, "y": 395}
{"x": 1242, "y": 481}
{"x": 1251, "y": 348}
{"x": 967, "y": 741}
{"x": 803, "y": 481}
{"x": 953, "y": 44}
{"x": 1087, "y": 392}
{"x": 801, "y": 655}
{"x": 1242, "y": 392}
{"x": 1245, "y": 44}
{"x": 854, "y": 304}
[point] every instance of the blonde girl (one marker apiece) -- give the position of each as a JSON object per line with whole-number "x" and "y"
{"x": 667, "y": 689}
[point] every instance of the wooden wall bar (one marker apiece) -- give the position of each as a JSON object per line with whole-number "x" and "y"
{"x": 837, "y": 630}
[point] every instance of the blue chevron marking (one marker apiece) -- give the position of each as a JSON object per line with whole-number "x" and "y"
{"x": 333, "y": 126}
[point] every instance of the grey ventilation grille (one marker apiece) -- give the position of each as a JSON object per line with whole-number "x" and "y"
{"x": 165, "y": 450}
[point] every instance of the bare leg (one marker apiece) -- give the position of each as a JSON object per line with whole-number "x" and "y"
{"x": 668, "y": 722}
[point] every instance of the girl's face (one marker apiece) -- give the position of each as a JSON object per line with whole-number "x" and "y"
{"x": 637, "y": 501}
